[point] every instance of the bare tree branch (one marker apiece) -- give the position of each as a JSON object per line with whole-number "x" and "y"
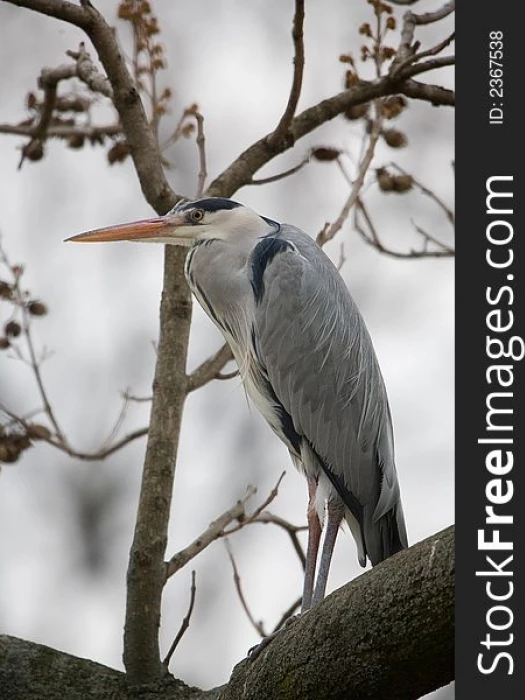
{"x": 280, "y": 176}
{"x": 434, "y": 50}
{"x": 209, "y": 369}
{"x": 201, "y": 145}
{"x": 282, "y": 129}
{"x": 34, "y": 362}
{"x": 336, "y": 633}
{"x": 62, "y": 131}
{"x": 67, "y": 448}
{"x": 256, "y": 513}
{"x": 406, "y": 51}
{"x": 146, "y": 574}
{"x": 291, "y": 530}
{"x": 432, "y": 64}
{"x": 141, "y": 141}
{"x": 88, "y": 72}
{"x": 258, "y": 626}
{"x": 429, "y": 193}
{"x": 215, "y": 530}
{"x": 287, "y": 614}
{"x": 328, "y": 232}
{"x": 435, "y": 94}
{"x": 373, "y": 239}
{"x": 241, "y": 171}
{"x": 185, "y": 622}
{"x": 406, "y": 636}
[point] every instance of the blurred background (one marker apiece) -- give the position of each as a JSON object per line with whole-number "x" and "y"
{"x": 66, "y": 525}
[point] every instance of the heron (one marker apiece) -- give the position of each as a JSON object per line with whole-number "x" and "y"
{"x": 306, "y": 360}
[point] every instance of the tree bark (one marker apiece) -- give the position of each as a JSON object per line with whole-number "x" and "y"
{"x": 387, "y": 634}
{"x": 146, "y": 570}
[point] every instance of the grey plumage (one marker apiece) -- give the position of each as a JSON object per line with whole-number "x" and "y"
{"x": 306, "y": 359}
{"x": 301, "y": 344}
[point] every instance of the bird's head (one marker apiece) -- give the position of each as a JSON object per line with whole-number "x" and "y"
{"x": 186, "y": 224}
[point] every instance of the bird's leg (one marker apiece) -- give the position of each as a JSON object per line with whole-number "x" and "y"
{"x": 335, "y": 511}
{"x": 314, "y": 536}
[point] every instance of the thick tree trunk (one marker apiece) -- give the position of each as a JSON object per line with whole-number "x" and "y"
{"x": 387, "y": 634}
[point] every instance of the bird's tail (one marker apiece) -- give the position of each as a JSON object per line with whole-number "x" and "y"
{"x": 386, "y": 536}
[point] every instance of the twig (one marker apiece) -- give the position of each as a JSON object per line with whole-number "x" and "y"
{"x": 201, "y": 145}
{"x": 223, "y": 376}
{"x": 287, "y": 614}
{"x": 88, "y": 73}
{"x": 435, "y": 94}
{"x": 432, "y": 64}
{"x": 406, "y": 52}
{"x": 253, "y": 517}
{"x": 139, "y": 137}
{"x": 342, "y": 257}
{"x": 241, "y": 171}
{"x": 62, "y": 444}
{"x": 280, "y": 176}
{"x": 428, "y": 238}
{"x": 117, "y": 424}
{"x": 137, "y": 399}
{"x": 62, "y": 131}
{"x": 48, "y": 81}
{"x": 448, "y": 212}
{"x": 258, "y": 626}
{"x": 179, "y": 130}
{"x": 330, "y": 231}
{"x": 297, "y": 33}
{"x": 185, "y": 623}
{"x": 33, "y": 361}
{"x": 434, "y": 50}
{"x": 85, "y": 70}
{"x": 375, "y": 242}
{"x": 213, "y": 532}
{"x": 210, "y": 369}
{"x": 291, "y": 531}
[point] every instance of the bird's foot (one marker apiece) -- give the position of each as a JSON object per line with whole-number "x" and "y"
{"x": 255, "y": 651}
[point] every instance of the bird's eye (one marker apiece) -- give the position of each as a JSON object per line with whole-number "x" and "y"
{"x": 196, "y": 216}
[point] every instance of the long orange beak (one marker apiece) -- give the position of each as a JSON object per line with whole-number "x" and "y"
{"x": 158, "y": 229}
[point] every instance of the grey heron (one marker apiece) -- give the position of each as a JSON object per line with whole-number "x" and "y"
{"x": 306, "y": 360}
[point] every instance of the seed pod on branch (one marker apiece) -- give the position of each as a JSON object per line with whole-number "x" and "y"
{"x": 37, "y": 308}
{"x": 356, "y": 112}
{"x": 38, "y": 432}
{"x": 402, "y": 183}
{"x": 385, "y": 180}
{"x": 76, "y": 141}
{"x": 34, "y": 150}
{"x": 325, "y": 153}
{"x": 6, "y": 291}
{"x": 394, "y": 138}
{"x": 118, "y": 153}
{"x": 393, "y": 105}
{"x": 13, "y": 329}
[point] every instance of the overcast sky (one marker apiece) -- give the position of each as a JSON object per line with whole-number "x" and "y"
{"x": 66, "y": 526}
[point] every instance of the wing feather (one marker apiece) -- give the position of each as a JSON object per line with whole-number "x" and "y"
{"x": 321, "y": 364}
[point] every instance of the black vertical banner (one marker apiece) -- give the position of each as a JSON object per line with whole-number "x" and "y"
{"x": 490, "y": 351}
